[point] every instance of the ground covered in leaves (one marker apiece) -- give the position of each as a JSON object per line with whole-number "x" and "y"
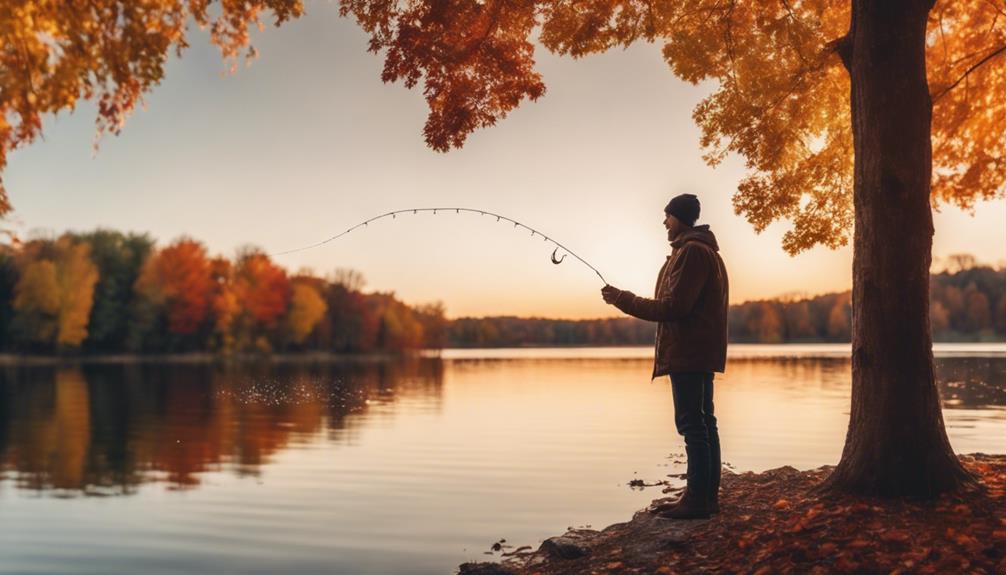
{"x": 774, "y": 522}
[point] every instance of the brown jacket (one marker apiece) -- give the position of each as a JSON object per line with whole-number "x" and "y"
{"x": 690, "y": 306}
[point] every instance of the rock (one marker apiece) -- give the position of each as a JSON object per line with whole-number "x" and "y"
{"x": 570, "y": 545}
{"x": 676, "y": 538}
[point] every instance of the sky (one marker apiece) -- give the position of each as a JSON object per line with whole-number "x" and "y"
{"x": 307, "y": 142}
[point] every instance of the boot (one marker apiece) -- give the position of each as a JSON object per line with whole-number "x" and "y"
{"x": 714, "y": 503}
{"x": 690, "y": 506}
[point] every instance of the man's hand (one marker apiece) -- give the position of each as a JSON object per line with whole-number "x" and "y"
{"x": 610, "y": 293}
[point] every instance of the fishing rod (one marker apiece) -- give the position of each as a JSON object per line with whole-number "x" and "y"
{"x": 499, "y": 218}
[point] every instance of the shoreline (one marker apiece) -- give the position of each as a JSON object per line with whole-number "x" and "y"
{"x": 200, "y": 358}
{"x": 773, "y": 522}
{"x": 736, "y": 351}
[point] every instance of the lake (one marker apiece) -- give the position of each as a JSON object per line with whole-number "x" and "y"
{"x": 408, "y": 466}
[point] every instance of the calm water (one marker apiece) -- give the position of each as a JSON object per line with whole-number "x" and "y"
{"x": 407, "y": 467}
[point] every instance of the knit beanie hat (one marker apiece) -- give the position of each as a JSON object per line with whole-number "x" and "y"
{"x": 684, "y": 207}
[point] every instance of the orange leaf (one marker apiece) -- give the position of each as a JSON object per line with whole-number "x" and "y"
{"x": 965, "y": 540}
{"x": 894, "y": 535}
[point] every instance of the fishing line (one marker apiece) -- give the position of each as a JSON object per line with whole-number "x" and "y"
{"x": 499, "y": 218}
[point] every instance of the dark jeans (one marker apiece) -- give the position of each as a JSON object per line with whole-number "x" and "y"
{"x": 693, "y": 416}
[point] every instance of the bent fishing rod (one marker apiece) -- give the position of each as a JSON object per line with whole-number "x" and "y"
{"x": 413, "y": 211}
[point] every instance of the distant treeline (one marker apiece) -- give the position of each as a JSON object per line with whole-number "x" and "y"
{"x": 968, "y": 304}
{"x": 509, "y": 331}
{"x": 109, "y": 292}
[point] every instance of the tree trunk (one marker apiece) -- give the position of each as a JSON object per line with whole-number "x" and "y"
{"x": 896, "y": 442}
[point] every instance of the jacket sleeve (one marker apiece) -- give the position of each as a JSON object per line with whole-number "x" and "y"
{"x": 685, "y": 282}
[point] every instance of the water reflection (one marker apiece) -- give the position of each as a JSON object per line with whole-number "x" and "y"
{"x": 972, "y": 382}
{"x": 963, "y": 381}
{"x": 795, "y": 410}
{"x": 107, "y": 428}
{"x": 390, "y": 466}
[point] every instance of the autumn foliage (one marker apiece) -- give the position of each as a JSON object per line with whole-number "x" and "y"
{"x": 307, "y": 308}
{"x": 262, "y": 288}
{"x": 782, "y": 95}
{"x": 109, "y": 51}
{"x": 134, "y": 297}
{"x": 781, "y": 101}
{"x": 54, "y": 294}
{"x": 177, "y": 280}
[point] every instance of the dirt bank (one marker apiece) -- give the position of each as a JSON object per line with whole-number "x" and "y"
{"x": 774, "y": 522}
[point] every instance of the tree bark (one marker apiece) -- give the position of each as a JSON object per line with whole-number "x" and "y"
{"x": 896, "y": 442}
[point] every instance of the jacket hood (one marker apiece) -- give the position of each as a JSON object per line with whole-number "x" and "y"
{"x": 697, "y": 234}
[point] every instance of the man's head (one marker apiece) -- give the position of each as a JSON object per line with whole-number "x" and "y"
{"x": 680, "y": 214}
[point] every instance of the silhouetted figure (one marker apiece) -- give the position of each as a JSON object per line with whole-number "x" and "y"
{"x": 690, "y": 308}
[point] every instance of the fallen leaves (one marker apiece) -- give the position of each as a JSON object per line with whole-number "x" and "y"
{"x": 774, "y": 522}
{"x": 895, "y": 536}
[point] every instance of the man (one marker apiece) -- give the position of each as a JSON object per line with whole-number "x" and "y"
{"x": 690, "y": 308}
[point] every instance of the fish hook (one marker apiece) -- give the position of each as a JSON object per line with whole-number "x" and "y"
{"x": 557, "y": 261}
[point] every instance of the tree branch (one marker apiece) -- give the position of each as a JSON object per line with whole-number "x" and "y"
{"x": 997, "y": 52}
{"x": 843, "y": 47}
{"x": 796, "y": 23}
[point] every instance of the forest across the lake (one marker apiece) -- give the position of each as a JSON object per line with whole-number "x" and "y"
{"x": 108, "y": 292}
